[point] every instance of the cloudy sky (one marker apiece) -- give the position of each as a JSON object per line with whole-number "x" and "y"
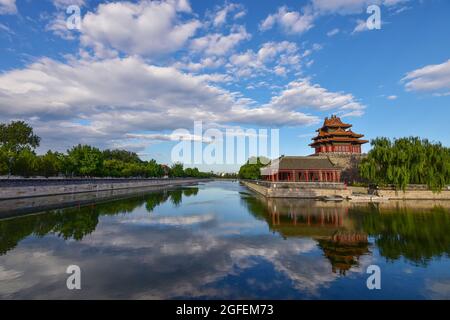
{"x": 137, "y": 70}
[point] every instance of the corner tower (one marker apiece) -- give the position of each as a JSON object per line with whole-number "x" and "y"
{"x": 336, "y": 137}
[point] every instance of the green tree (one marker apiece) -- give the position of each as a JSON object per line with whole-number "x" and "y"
{"x": 25, "y": 164}
{"x": 407, "y": 161}
{"x": 133, "y": 170}
{"x": 192, "y": 172}
{"x": 84, "y": 160}
{"x": 121, "y": 155}
{"x": 4, "y": 165}
{"x": 153, "y": 169}
{"x": 113, "y": 168}
{"x": 251, "y": 169}
{"x": 50, "y": 164}
{"x": 176, "y": 170}
{"x": 16, "y": 137}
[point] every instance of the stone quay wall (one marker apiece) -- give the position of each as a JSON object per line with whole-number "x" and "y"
{"x": 317, "y": 190}
{"x": 300, "y": 190}
{"x": 415, "y": 194}
{"x": 25, "y": 188}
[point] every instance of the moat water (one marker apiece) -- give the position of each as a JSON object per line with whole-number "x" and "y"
{"x": 218, "y": 240}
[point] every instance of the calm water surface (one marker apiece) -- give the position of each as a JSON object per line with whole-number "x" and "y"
{"x": 219, "y": 240}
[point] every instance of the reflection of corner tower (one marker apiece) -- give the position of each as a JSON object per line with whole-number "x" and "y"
{"x": 336, "y": 137}
{"x": 344, "y": 249}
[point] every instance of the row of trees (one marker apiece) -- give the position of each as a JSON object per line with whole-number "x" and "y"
{"x": 18, "y": 157}
{"x": 407, "y": 161}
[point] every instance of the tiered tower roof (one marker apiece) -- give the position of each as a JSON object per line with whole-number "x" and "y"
{"x": 334, "y": 131}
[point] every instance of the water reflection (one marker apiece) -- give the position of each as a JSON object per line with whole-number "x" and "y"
{"x": 76, "y": 223}
{"x": 399, "y": 229}
{"x": 418, "y": 235}
{"x": 220, "y": 241}
{"x": 341, "y": 241}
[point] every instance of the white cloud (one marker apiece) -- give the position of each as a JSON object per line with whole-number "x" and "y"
{"x": 392, "y": 97}
{"x": 167, "y": 137}
{"x": 6, "y": 29}
{"x": 214, "y": 77}
{"x": 302, "y": 95}
{"x": 344, "y": 7}
{"x": 432, "y": 78}
{"x": 270, "y": 50}
{"x": 333, "y": 32}
{"x": 147, "y": 28}
{"x": 8, "y": 7}
{"x": 240, "y": 14}
{"x": 58, "y": 20}
{"x": 341, "y": 6}
{"x": 279, "y": 70}
{"x": 221, "y": 15}
{"x": 250, "y": 63}
{"x": 219, "y": 44}
{"x": 98, "y": 102}
{"x": 294, "y": 22}
{"x": 291, "y": 22}
{"x": 389, "y": 3}
{"x": 63, "y": 4}
{"x": 205, "y": 63}
{"x": 179, "y": 221}
{"x": 361, "y": 26}
{"x": 58, "y": 25}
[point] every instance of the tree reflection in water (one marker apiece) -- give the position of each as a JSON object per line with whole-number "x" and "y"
{"x": 342, "y": 230}
{"x": 76, "y": 223}
{"x": 418, "y": 235}
{"x": 328, "y": 223}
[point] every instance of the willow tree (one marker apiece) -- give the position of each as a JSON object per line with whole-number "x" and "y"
{"x": 407, "y": 161}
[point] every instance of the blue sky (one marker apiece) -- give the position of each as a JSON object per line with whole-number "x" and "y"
{"x": 137, "y": 70}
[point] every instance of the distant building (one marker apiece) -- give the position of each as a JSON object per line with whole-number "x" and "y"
{"x": 166, "y": 170}
{"x": 336, "y": 148}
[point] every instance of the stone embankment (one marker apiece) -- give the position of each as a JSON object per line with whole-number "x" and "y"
{"x": 413, "y": 193}
{"x": 25, "y": 188}
{"x": 323, "y": 190}
{"x": 20, "y": 196}
{"x": 301, "y": 190}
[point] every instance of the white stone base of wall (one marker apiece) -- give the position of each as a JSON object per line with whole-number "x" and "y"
{"x": 299, "y": 192}
{"x": 414, "y": 194}
{"x": 49, "y": 190}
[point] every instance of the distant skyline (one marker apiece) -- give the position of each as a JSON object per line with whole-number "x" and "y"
{"x": 137, "y": 70}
